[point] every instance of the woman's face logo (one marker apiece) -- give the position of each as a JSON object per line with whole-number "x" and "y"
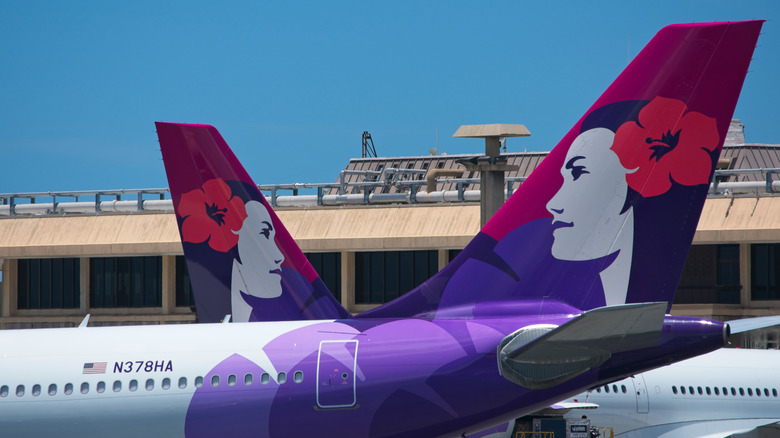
{"x": 261, "y": 259}
{"x": 586, "y": 222}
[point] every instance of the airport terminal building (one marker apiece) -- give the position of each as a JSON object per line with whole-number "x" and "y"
{"x": 383, "y": 227}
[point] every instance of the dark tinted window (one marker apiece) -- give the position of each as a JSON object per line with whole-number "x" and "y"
{"x": 48, "y": 283}
{"x": 126, "y": 282}
{"x": 384, "y": 275}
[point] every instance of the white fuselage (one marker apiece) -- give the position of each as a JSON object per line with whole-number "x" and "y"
{"x": 726, "y": 390}
{"x": 47, "y": 387}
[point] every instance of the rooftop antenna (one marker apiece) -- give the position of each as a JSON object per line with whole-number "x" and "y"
{"x": 368, "y": 146}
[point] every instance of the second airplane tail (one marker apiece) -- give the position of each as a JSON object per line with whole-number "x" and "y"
{"x": 240, "y": 258}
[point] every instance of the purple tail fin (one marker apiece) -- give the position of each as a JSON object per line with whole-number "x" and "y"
{"x": 609, "y": 216}
{"x": 241, "y": 259}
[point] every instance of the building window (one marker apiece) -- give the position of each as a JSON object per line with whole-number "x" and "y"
{"x": 126, "y": 282}
{"x": 184, "y": 296}
{"x": 48, "y": 283}
{"x": 764, "y": 266}
{"x": 384, "y": 275}
{"x": 328, "y": 265}
{"x": 710, "y": 276}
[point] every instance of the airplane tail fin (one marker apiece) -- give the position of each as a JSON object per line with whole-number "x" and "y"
{"x": 241, "y": 259}
{"x": 608, "y": 217}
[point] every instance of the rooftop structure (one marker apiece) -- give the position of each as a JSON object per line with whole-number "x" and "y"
{"x": 373, "y": 233}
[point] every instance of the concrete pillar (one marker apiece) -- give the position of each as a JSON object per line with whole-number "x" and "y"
{"x": 348, "y": 280}
{"x": 745, "y": 274}
{"x": 10, "y": 287}
{"x": 168, "y": 284}
{"x": 491, "y": 179}
{"x": 444, "y": 258}
{"x": 84, "y": 285}
{"x": 491, "y": 166}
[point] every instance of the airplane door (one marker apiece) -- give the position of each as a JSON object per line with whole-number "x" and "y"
{"x": 642, "y": 401}
{"x": 336, "y": 364}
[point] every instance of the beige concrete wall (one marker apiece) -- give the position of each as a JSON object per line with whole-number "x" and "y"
{"x": 316, "y": 230}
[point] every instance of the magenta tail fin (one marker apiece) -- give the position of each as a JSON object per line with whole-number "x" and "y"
{"x": 608, "y": 217}
{"x": 241, "y": 260}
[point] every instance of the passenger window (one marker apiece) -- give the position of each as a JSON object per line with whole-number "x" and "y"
{"x": 101, "y": 387}
{"x": 117, "y": 386}
{"x": 84, "y": 388}
{"x": 248, "y": 379}
{"x": 265, "y": 378}
{"x": 232, "y": 379}
{"x": 298, "y": 377}
{"x": 4, "y": 391}
{"x": 707, "y": 390}
{"x": 20, "y": 390}
{"x": 682, "y": 389}
{"x": 182, "y": 382}
{"x": 698, "y": 388}
{"x": 766, "y": 392}
{"x": 742, "y": 391}
{"x": 733, "y": 391}
{"x": 774, "y": 392}
{"x": 52, "y": 389}
{"x": 614, "y": 388}
{"x": 68, "y": 389}
{"x": 215, "y": 380}
{"x": 166, "y": 383}
{"x": 282, "y": 377}
{"x": 750, "y": 392}
{"x": 758, "y": 392}
{"x": 690, "y": 390}
{"x": 606, "y": 389}
{"x": 674, "y": 390}
{"x": 198, "y": 381}
{"x": 36, "y": 390}
{"x": 623, "y": 388}
{"x": 133, "y": 385}
{"x": 149, "y": 384}
{"x": 717, "y": 391}
{"x": 598, "y": 389}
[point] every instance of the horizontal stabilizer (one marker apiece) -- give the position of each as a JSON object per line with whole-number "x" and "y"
{"x": 542, "y": 356}
{"x": 748, "y": 324}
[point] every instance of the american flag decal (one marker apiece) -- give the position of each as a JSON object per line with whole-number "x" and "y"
{"x": 94, "y": 368}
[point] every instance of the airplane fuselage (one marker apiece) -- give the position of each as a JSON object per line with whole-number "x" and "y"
{"x": 722, "y": 390}
{"x": 358, "y": 378}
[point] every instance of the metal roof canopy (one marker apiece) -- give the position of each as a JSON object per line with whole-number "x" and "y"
{"x": 492, "y": 130}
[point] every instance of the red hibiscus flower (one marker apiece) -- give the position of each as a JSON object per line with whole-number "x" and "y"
{"x": 212, "y": 214}
{"x": 668, "y": 143}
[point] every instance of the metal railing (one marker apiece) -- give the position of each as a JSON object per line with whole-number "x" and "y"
{"x": 408, "y": 191}
{"x": 769, "y": 185}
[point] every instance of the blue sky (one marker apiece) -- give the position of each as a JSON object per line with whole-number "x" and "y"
{"x": 292, "y": 85}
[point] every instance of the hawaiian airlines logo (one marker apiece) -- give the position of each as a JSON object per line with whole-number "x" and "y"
{"x": 216, "y": 215}
{"x": 644, "y": 153}
{"x": 667, "y": 143}
{"x": 212, "y": 214}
